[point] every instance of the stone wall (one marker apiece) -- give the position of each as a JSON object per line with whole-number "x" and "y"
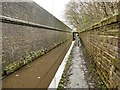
{"x": 102, "y": 45}
{"x": 28, "y": 31}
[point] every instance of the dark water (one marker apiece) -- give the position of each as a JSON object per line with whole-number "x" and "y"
{"x": 39, "y": 73}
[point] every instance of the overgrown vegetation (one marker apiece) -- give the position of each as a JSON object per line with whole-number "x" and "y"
{"x": 83, "y": 13}
{"x": 64, "y": 78}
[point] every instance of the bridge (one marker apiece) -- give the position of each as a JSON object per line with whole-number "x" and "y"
{"x": 35, "y": 44}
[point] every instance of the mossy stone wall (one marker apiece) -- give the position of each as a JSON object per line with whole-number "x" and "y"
{"x": 22, "y": 43}
{"x": 102, "y": 43}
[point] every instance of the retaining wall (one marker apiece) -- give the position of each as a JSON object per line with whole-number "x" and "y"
{"x": 102, "y": 44}
{"x": 28, "y": 31}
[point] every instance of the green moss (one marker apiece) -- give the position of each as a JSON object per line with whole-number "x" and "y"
{"x": 103, "y": 22}
{"x": 64, "y": 75}
{"x": 26, "y": 59}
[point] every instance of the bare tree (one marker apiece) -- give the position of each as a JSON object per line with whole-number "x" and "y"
{"x": 83, "y": 14}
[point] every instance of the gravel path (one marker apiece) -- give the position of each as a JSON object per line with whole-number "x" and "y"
{"x": 76, "y": 72}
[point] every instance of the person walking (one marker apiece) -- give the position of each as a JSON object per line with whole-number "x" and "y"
{"x": 77, "y": 39}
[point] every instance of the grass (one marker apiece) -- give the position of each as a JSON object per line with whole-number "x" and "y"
{"x": 63, "y": 80}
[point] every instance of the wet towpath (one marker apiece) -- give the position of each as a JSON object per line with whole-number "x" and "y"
{"x": 76, "y": 77}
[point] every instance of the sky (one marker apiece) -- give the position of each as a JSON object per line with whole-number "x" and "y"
{"x": 55, "y": 7}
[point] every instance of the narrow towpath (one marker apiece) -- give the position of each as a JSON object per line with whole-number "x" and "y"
{"x": 79, "y": 72}
{"x": 76, "y": 71}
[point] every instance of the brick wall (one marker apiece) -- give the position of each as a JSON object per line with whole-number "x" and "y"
{"x": 22, "y": 43}
{"x": 101, "y": 44}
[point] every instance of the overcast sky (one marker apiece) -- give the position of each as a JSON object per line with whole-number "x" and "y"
{"x": 55, "y": 7}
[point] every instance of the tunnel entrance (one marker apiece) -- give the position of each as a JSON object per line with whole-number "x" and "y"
{"x": 75, "y": 34}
